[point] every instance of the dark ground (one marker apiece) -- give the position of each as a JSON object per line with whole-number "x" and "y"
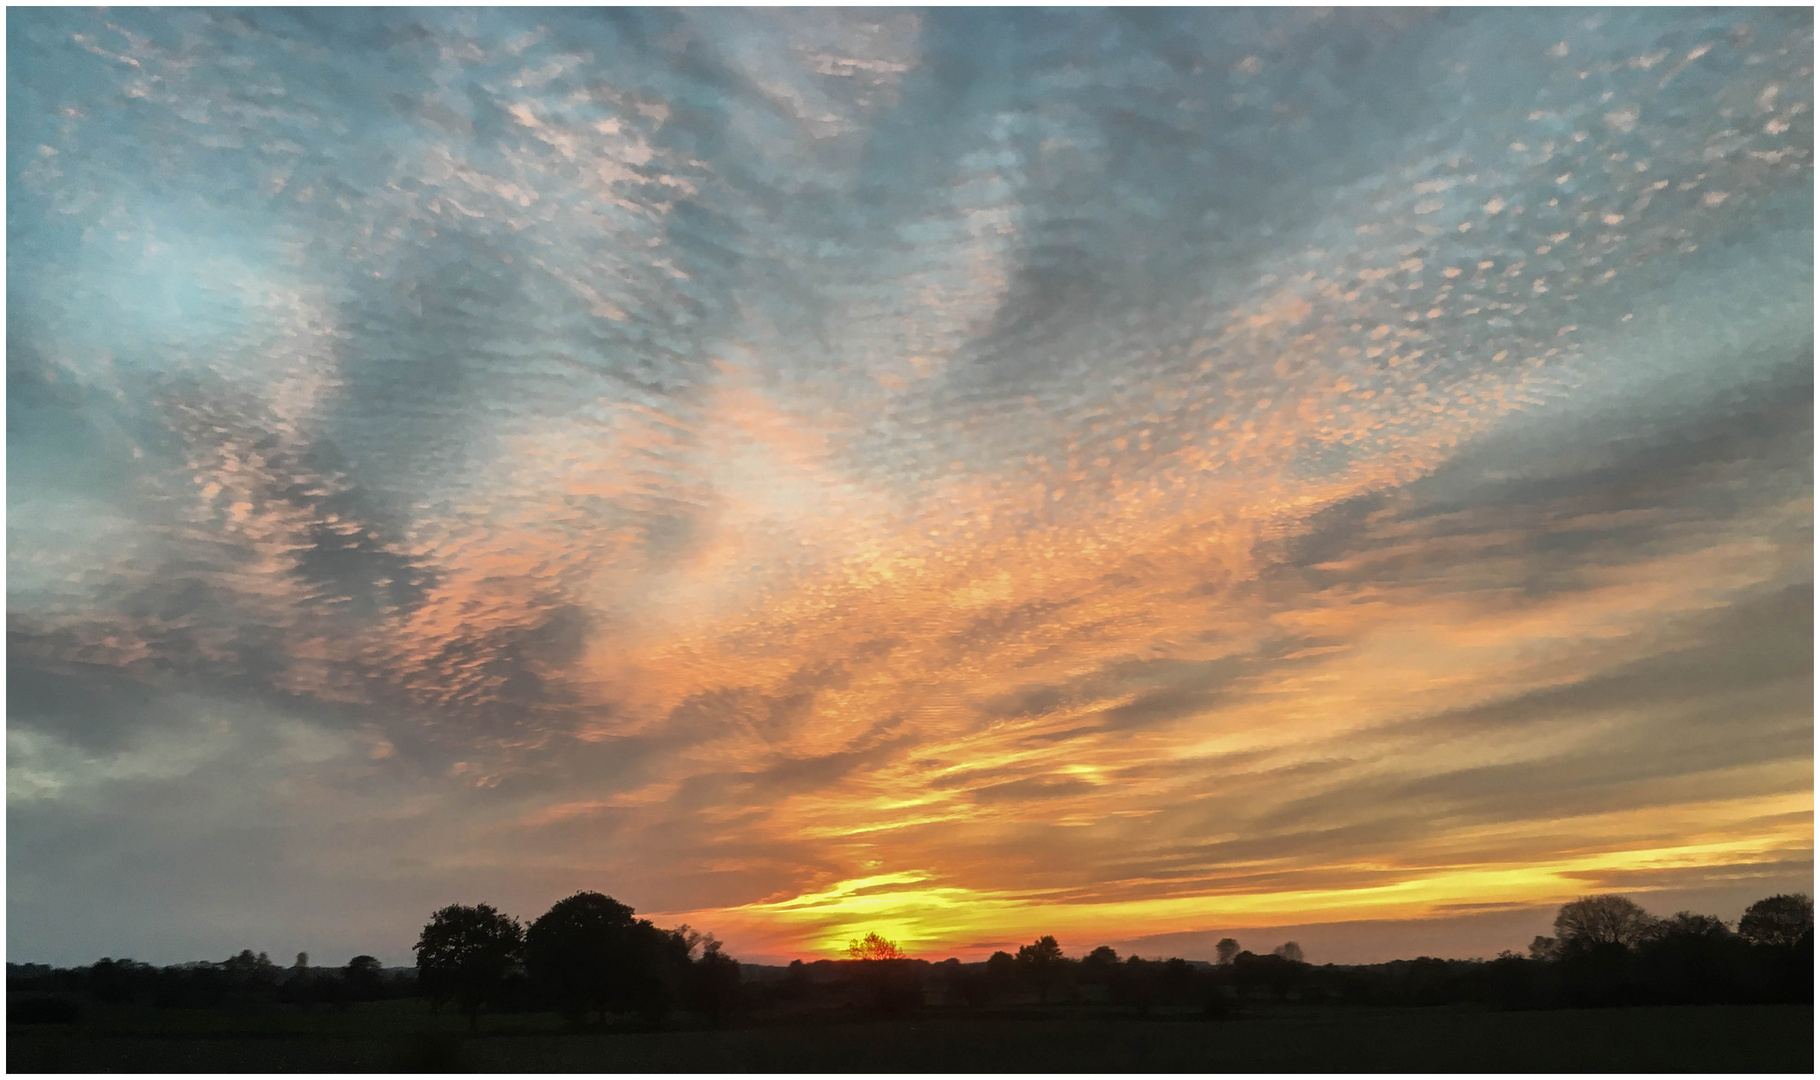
{"x": 404, "y": 1036}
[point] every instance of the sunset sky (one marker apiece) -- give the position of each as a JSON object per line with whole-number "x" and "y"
{"x": 1134, "y": 476}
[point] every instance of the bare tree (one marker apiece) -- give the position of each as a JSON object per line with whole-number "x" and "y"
{"x": 1689, "y": 924}
{"x": 1227, "y": 949}
{"x": 1781, "y": 920}
{"x": 1601, "y": 920}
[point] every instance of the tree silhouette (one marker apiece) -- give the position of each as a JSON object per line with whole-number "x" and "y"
{"x": 1273, "y": 971}
{"x": 874, "y": 947}
{"x": 1098, "y": 965}
{"x": 583, "y": 954}
{"x": 247, "y": 969}
{"x": 1043, "y": 950}
{"x": 714, "y": 982}
{"x": 364, "y": 978}
{"x": 465, "y": 954}
{"x": 1176, "y": 981}
{"x": 1690, "y": 958}
{"x": 1134, "y": 984}
{"x": 885, "y": 975}
{"x": 797, "y": 984}
{"x": 1688, "y": 924}
{"x": 299, "y": 984}
{"x": 1040, "y": 961}
{"x": 1228, "y": 948}
{"x": 1602, "y": 920}
{"x": 1289, "y": 951}
{"x": 1001, "y": 968}
{"x": 1782, "y": 920}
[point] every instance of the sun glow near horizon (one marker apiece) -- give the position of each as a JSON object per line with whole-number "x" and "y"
{"x": 932, "y": 920}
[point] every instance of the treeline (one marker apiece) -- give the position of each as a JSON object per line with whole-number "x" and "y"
{"x": 1038, "y": 975}
{"x": 589, "y": 956}
{"x": 38, "y": 992}
{"x": 1607, "y": 951}
{"x": 592, "y": 959}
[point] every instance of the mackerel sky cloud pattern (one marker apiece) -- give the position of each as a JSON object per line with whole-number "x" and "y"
{"x": 965, "y": 474}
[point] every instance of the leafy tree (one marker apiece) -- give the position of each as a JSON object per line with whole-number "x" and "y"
{"x": 248, "y": 969}
{"x": 1512, "y": 979}
{"x": 1602, "y": 920}
{"x": 714, "y": 982}
{"x": 1274, "y": 972}
{"x": 249, "y": 975}
{"x": 1782, "y": 921}
{"x": 585, "y": 954}
{"x": 1545, "y": 948}
{"x": 1043, "y": 950}
{"x": 1098, "y": 965}
{"x": 962, "y": 985}
{"x": 1228, "y": 949}
{"x": 1134, "y": 984}
{"x": 1176, "y": 981}
{"x": 1040, "y": 962}
{"x": 797, "y": 984}
{"x": 886, "y": 975}
{"x": 466, "y": 954}
{"x": 364, "y": 978}
{"x": 874, "y": 947}
{"x": 663, "y": 968}
{"x": 1289, "y": 951}
{"x": 119, "y": 980}
{"x": 1001, "y": 969}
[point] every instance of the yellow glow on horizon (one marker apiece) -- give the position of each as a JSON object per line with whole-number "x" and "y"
{"x": 925, "y": 917}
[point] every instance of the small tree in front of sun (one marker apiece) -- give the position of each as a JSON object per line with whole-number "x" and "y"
{"x": 874, "y": 947}
{"x": 886, "y": 977}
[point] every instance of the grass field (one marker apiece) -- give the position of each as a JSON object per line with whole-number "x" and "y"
{"x": 404, "y": 1036}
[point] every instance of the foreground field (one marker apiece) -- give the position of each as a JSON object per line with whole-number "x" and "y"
{"x": 401, "y": 1036}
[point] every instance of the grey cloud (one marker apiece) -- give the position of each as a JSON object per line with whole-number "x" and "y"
{"x": 993, "y": 627}
{"x": 1581, "y": 500}
{"x": 1757, "y": 874}
{"x": 1758, "y": 642}
{"x": 91, "y": 706}
{"x": 1167, "y": 690}
{"x": 1738, "y": 697}
{"x": 807, "y": 774}
{"x": 63, "y": 435}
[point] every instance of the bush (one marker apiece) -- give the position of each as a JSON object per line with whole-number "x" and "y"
{"x": 432, "y": 1053}
{"x": 42, "y": 1010}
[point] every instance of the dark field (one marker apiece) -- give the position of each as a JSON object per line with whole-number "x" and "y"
{"x": 405, "y": 1036}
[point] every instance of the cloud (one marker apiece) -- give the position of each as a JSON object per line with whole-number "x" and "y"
{"x": 1064, "y": 465}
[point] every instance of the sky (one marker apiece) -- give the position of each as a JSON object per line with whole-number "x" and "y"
{"x": 1137, "y": 476}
